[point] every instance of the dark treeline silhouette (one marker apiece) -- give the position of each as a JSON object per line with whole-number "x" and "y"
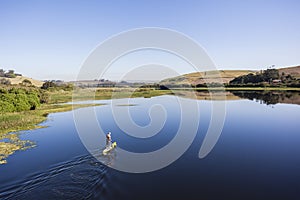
{"x": 269, "y": 77}
{"x": 8, "y": 74}
{"x": 270, "y": 97}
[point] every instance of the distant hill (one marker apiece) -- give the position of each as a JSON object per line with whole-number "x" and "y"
{"x": 293, "y": 71}
{"x": 16, "y": 78}
{"x": 206, "y": 77}
{"x": 226, "y": 76}
{"x": 20, "y": 79}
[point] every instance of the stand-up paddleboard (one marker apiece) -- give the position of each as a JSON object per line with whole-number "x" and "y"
{"x": 108, "y": 149}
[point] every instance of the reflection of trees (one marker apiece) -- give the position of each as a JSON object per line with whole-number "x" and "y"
{"x": 270, "y": 97}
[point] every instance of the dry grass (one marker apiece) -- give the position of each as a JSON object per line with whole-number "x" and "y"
{"x": 293, "y": 71}
{"x": 226, "y": 76}
{"x": 207, "y": 77}
{"x": 19, "y": 79}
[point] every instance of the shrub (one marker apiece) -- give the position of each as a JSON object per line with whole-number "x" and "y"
{"x": 18, "y": 99}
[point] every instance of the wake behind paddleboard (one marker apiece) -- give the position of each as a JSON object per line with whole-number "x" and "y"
{"x": 106, "y": 150}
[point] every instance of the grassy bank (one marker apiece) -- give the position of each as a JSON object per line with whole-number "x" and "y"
{"x": 263, "y": 89}
{"x": 241, "y": 89}
{"x": 15, "y": 121}
{"x": 104, "y": 93}
{"x": 12, "y": 122}
{"x": 26, "y": 120}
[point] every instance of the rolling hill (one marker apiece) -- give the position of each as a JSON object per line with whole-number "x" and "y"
{"x": 206, "y": 77}
{"x": 293, "y": 71}
{"x": 19, "y": 79}
{"x": 226, "y": 76}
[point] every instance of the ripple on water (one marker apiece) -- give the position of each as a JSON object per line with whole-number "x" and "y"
{"x": 80, "y": 178}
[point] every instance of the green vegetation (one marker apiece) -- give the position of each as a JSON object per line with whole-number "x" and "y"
{"x": 22, "y": 109}
{"x": 25, "y": 107}
{"x": 14, "y": 144}
{"x": 244, "y": 88}
{"x": 52, "y": 86}
{"x": 103, "y": 93}
{"x": 266, "y": 78}
{"x": 145, "y": 92}
{"x": 240, "y": 88}
{"x": 26, "y": 120}
{"x": 18, "y": 99}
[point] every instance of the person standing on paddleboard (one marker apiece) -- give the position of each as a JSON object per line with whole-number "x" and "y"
{"x": 108, "y": 139}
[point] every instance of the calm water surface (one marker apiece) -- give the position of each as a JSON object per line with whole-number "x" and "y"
{"x": 256, "y": 157}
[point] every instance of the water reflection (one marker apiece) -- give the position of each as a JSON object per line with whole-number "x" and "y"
{"x": 263, "y": 97}
{"x": 270, "y": 97}
{"x": 206, "y": 95}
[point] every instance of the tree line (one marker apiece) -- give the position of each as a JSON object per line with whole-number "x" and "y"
{"x": 269, "y": 77}
{"x": 8, "y": 74}
{"x": 25, "y": 96}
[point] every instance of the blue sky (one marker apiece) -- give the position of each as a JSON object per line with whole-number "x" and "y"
{"x": 51, "y": 39}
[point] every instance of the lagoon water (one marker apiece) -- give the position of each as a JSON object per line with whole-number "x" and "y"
{"x": 255, "y": 157}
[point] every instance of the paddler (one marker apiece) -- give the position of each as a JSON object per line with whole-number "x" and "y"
{"x": 108, "y": 139}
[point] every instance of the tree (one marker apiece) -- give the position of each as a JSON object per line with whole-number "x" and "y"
{"x": 48, "y": 84}
{"x": 18, "y": 99}
{"x": 271, "y": 74}
{"x": 266, "y": 76}
{"x": 43, "y": 96}
{"x": 10, "y": 74}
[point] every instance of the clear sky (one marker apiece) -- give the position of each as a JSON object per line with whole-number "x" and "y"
{"x": 51, "y": 39}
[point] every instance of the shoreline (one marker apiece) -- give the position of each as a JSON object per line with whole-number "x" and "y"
{"x": 240, "y": 89}
{"x": 10, "y": 141}
{"x": 28, "y": 120}
{"x": 12, "y": 123}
